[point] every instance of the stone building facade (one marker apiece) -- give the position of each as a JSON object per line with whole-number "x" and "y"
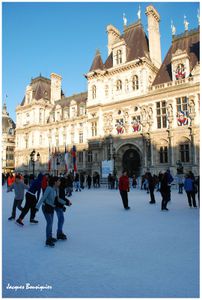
{"x": 8, "y": 142}
{"x": 138, "y": 111}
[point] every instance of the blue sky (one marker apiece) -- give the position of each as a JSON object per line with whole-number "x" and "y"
{"x": 63, "y": 37}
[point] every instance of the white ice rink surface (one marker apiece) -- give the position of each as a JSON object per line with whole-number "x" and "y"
{"x": 110, "y": 252}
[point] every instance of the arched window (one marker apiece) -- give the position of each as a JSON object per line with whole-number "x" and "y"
{"x": 119, "y": 85}
{"x": 93, "y": 91}
{"x": 135, "y": 83}
{"x": 119, "y": 57}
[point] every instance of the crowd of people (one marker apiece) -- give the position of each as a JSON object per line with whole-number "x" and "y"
{"x": 52, "y": 193}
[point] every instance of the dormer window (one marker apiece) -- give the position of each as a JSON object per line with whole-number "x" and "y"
{"x": 94, "y": 92}
{"x": 119, "y": 85}
{"x": 119, "y": 57}
{"x": 135, "y": 83}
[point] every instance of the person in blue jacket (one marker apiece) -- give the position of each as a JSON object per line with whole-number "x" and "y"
{"x": 32, "y": 197}
{"x": 190, "y": 191}
{"x": 48, "y": 205}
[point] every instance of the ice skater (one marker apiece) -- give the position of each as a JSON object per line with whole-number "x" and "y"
{"x": 190, "y": 191}
{"x": 60, "y": 208}
{"x": 19, "y": 187}
{"x": 165, "y": 191}
{"x": 31, "y": 200}
{"x": 48, "y": 204}
{"x": 124, "y": 189}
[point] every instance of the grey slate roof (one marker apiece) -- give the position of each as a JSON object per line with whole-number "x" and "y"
{"x": 136, "y": 43}
{"x": 188, "y": 41}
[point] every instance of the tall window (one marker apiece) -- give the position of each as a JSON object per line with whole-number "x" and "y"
{"x": 106, "y": 90}
{"x": 93, "y": 91}
{"x": 135, "y": 83}
{"x": 119, "y": 85}
{"x": 81, "y": 137}
{"x": 126, "y": 85}
{"x": 182, "y": 104}
{"x": 90, "y": 156}
{"x": 94, "y": 128}
{"x": 161, "y": 114}
{"x": 163, "y": 155}
{"x": 119, "y": 57}
{"x": 80, "y": 157}
{"x": 82, "y": 110}
{"x": 184, "y": 152}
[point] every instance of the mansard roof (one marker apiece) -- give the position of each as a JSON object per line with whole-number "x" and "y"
{"x": 136, "y": 42}
{"x": 189, "y": 42}
{"x": 78, "y": 98}
{"x": 97, "y": 62}
{"x": 41, "y": 87}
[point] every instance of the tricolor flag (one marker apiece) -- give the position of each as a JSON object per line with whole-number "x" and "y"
{"x": 66, "y": 160}
{"x": 49, "y": 160}
{"x": 74, "y": 158}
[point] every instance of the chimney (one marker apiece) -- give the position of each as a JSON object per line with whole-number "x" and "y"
{"x": 56, "y": 83}
{"x": 113, "y": 37}
{"x": 154, "y": 35}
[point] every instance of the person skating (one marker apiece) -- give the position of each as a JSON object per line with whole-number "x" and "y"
{"x": 19, "y": 187}
{"x": 31, "y": 200}
{"x": 151, "y": 186}
{"x": 190, "y": 191}
{"x": 48, "y": 204}
{"x": 88, "y": 181}
{"x": 124, "y": 189}
{"x": 77, "y": 183}
{"x": 60, "y": 203}
{"x": 165, "y": 191}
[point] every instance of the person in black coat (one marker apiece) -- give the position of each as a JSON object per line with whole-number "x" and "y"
{"x": 89, "y": 181}
{"x": 151, "y": 183}
{"x": 32, "y": 197}
{"x": 165, "y": 191}
{"x": 60, "y": 208}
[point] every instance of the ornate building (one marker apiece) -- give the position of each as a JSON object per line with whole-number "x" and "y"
{"x": 8, "y": 142}
{"x": 138, "y": 111}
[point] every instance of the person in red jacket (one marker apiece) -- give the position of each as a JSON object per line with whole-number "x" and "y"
{"x": 44, "y": 182}
{"x": 124, "y": 189}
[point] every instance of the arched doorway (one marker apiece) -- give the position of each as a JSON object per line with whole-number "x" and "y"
{"x": 131, "y": 162}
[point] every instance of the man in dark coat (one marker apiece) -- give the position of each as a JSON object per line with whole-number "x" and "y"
{"x": 165, "y": 191}
{"x": 32, "y": 197}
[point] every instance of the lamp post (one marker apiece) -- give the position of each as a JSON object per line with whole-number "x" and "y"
{"x": 32, "y": 158}
{"x": 114, "y": 158}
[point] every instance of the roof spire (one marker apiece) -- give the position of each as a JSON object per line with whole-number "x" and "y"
{"x": 186, "y": 23}
{"x": 139, "y": 13}
{"x": 173, "y": 28}
{"x": 198, "y": 17}
{"x": 124, "y": 19}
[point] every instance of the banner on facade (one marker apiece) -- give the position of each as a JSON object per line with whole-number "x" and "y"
{"x": 107, "y": 167}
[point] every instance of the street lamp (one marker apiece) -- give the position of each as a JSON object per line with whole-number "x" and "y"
{"x": 114, "y": 158}
{"x": 32, "y": 158}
